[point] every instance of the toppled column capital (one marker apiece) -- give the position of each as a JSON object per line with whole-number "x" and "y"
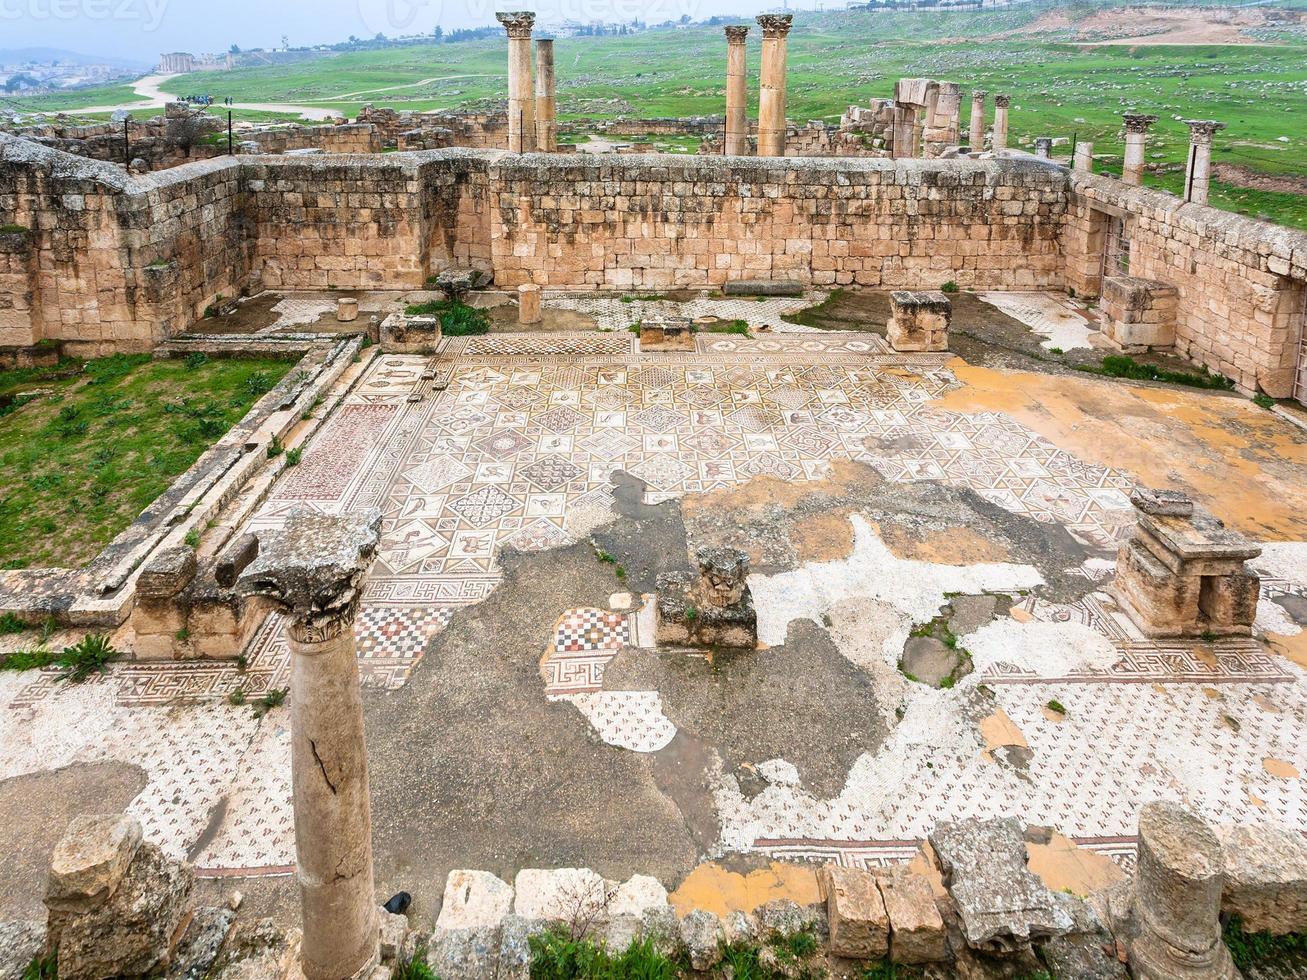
{"x": 1002, "y": 101}
{"x": 1138, "y": 122}
{"x": 518, "y": 23}
{"x": 314, "y": 569}
{"x": 737, "y": 33}
{"x": 775, "y": 25}
{"x": 1201, "y": 131}
{"x": 722, "y": 573}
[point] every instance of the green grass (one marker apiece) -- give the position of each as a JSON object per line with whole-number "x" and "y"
{"x": 1262, "y": 949}
{"x": 456, "y": 319}
{"x": 91, "y": 655}
{"x": 95, "y": 445}
{"x": 556, "y": 955}
{"x": 1120, "y": 366}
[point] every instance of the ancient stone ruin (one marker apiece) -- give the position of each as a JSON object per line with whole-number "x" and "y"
{"x": 710, "y": 608}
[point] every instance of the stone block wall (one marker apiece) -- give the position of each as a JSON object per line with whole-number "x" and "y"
{"x": 1241, "y": 284}
{"x": 17, "y": 290}
{"x": 623, "y": 222}
{"x": 345, "y": 138}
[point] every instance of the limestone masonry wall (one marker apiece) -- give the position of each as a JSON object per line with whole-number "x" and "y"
{"x": 659, "y": 221}
{"x": 109, "y": 261}
{"x": 1240, "y": 283}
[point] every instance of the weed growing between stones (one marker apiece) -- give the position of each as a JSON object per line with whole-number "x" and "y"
{"x": 413, "y": 967}
{"x": 456, "y": 319}
{"x": 1251, "y": 949}
{"x": 1121, "y": 366}
{"x": 1263, "y": 400}
{"x": 555, "y": 955}
{"x": 91, "y": 655}
{"x": 43, "y": 967}
{"x": 885, "y": 970}
{"x": 949, "y": 287}
{"x": 11, "y": 624}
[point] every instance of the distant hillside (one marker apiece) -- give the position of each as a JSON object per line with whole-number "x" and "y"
{"x": 17, "y": 56}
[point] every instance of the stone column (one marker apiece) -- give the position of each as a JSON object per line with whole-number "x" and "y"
{"x": 1177, "y": 899}
{"x": 949, "y": 109}
{"x": 1199, "y": 173}
{"x": 976, "y": 129}
{"x": 1044, "y": 147}
{"x": 999, "y": 140}
{"x": 314, "y": 571}
{"x": 905, "y": 123}
{"x": 1083, "y": 158}
{"x": 1136, "y": 141}
{"x": 737, "y": 92}
{"x": 521, "y": 103}
{"x": 771, "y": 95}
{"x": 546, "y": 103}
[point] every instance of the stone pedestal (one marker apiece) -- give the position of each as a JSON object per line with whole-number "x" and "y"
{"x": 737, "y": 93}
{"x": 546, "y": 101}
{"x": 1198, "y": 174}
{"x": 976, "y": 128}
{"x": 1083, "y": 158}
{"x": 711, "y": 609}
{"x": 403, "y": 334}
{"x": 1138, "y": 314}
{"x": 666, "y": 333}
{"x": 314, "y": 570}
{"x": 1183, "y": 573}
{"x": 771, "y": 95}
{"x": 1175, "y": 932}
{"x": 919, "y": 321}
{"x": 999, "y": 139}
{"x": 528, "y": 304}
{"x": 1136, "y": 144}
{"x": 347, "y": 309}
{"x": 521, "y": 102}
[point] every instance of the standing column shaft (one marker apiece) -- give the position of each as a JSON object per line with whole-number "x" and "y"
{"x": 314, "y": 571}
{"x": 771, "y": 95}
{"x": 976, "y": 129}
{"x": 546, "y": 101}
{"x": 1198, "y": 177}
{"x": 999, "y": 139}
{"x": 905, "y": 128}
{"x": 737, "y": 92}
{"x": 1083, "y": 159}
{"x": 521, "y": 100}
{"x": 1136, "y": 142}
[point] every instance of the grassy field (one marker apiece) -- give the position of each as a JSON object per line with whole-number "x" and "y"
{"x": 1058, "y": 88}
{"x": 84, "y": 449}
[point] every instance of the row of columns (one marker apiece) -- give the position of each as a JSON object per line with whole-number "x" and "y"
{"x": 937, "y": 118}
{"x": 532, "y": 110}
{"x": 771, "y": 91}
{"x": 1198, "y": 167}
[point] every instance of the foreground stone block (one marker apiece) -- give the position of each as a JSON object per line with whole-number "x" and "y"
{"x": 474, "y": 899}
{"x": 132, "y": 930}
{"x": 666, "y": 333}
{"x": 1265, "y": 878}
{"x": 763, "y": 287}
{"x": 917, "y": 933}
{"x": 1175, "y": 930}
{"x": 1138, "y": 314}
{"x": 528, "y": 304}
{"x": 347, "y": 309}
{"x": 562, "y": 894}
{"x": 20, "y": 943}
{"x": 859, "y": 924}
{"x": 90, "y": 861}
{"x": 919, "y": 321}
{"x": 402, "y": 334}
{"x": 1183, "y": 572}
{"x": 702, "y": 934}
{"x": 1002, "y": 906}
{"x": 713, "y": 608}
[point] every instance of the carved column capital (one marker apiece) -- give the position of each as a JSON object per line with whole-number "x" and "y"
{"x": 314, "y": 569}
{"x": 737, "y": 33}
{"x": 978, "y": 95}
{"x": 1138, "y": 122}
{"x": 775, "y": 25}
{"x": 517, "y": 23}
{"x": 1201, "y": 131}
{"x": 1002, "y": 101}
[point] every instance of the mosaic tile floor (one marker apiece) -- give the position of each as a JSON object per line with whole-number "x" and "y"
{"x": 618, "y": 313}
{"x": 513, "y": 440}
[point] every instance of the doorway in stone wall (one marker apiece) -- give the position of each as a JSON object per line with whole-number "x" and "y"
{"x": 1300, "y": 368}
{"x": 1116, "y": 247}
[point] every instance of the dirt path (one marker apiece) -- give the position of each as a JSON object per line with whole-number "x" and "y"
{"x": 153, "y": 96}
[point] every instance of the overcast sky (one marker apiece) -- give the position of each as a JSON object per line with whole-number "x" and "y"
{"x": 142, "y": 29}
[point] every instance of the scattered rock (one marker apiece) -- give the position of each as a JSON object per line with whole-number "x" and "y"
{"x": 1001, "y": 905}
{"x": 917, "y": 933}
{"x": 702, "y": 934}
{"x": 859, "y": 924}
{"x": 20, "y": 943}
{"x": 515, "y": 947}
{"x": 928, "y": 660}
{"x": 569, "y": 895}
{"x": 663, "y": 929}
{"x": 394, "y": 930}
{"x": 785, "y": 918}
{"x": 970, "y": 612}
{"x": 201, "y": 943}
{"x": 89, "y": 862}
{"x": 1265, "y": 878}
{"x": 465, "y": 954}
{"x": 474, "y": 899}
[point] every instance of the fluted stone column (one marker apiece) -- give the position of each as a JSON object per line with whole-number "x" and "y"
{"x": 771, "y": 95}
{"x": 1137, "y": 125}
{"x": 314, "y": 571}
{"x": 546, "y": 101}
{"x": 521, "y": 100}
{"x": 1198, "y": 176}
{"x": 999, "y": 140}
{"x": 976, "y": 128}
{"x": 737, "y": 92}
{"x": 1083, "y": 159}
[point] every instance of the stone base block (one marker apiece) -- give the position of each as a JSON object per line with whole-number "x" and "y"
{"x": 684, "y": 620}
{"x": 670, "y": 333}
{"x": 1138, "y": 314}
{"x": 859, "y": 924}
{"x": 402, "y": 334}
{"x": 919, "y": 321}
